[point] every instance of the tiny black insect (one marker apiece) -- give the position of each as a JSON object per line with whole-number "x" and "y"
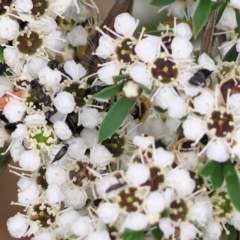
{"x": 39, "y": 93}
{"x": 53, "y": 64}
{"x": 63, "y": 150}
{"x": 200, "y": 77}
{"x": 3, "y": 67}
{"x": 71, "y": 123}
{"x": 204, "y": 139}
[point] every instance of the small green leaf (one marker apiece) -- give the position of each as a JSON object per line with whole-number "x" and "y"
{"x": 157, "y": 33}
{"x": 201, "y": 16}
{"x": 208, "y": 168}
{"x": 179, "y": 130}
{"x": 157, "y": 233}
{"x": 161, "y": 2}
{"x": 217, "y": 4}
{"x": 216, "y": 176}
{"x": 145, "y": 89}
{"x": 232, "y": 233}
{"x": 233, "y": 184}
{"x": 221, "y": 10}
{"x": 159, "y": 143}
{"x": 238, "y": 19}
{"x": 132, "y": 235}
{"x": 231, "y": 55}
{"x": 115, "y": 117}
{"x": 1, "y": 54}
{"x": 109, "y": 91}
{"x": 120, "y": 77}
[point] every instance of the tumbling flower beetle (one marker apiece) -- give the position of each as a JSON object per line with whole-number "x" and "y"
{"x": 63, "y": 150}
{"x": 199, "y": 78}
{"x": 39, "y": 93}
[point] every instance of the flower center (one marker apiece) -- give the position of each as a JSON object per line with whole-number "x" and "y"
{"x": 232, "y": 85}
{"x": 39, "y": 7}
{"x": 115, "y": 144}
{"x": 41, "y": 177}
{"x": 41, "y": 138}
{"x": 155, "y": 180}
{"x": 128, "y": 199}
{"x": 4, "y": 4}
{"x": 43, "y": 213}
{"x": 221, "y": 124}
{"x": 126, "y": 51}
{"x": 81, "y": 176}
{"x": 164, "y": 70}
{"x": 29, "y": 43}
{"x": 179, "y": 210}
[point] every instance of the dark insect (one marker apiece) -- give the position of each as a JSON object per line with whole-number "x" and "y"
{"x": 200, "y": 77}
{"x": 11, "y": 126}
{"x": 63, "y": 150}
{"x": 39, "y": 93}
{"x": 3, "y": 67}
{"x": 204, "y": 139}
{"x": 71, "y": 121}
{"x": 53, "y": 64}
{"x": 115, "y": 187}
{"x": 94, "y": 89}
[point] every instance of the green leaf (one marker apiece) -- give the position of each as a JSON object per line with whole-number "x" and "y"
{"x": 216, "y": 176}
{"x": 157, "y": 233}
{"x": 238, "y": 19}
{"x": 120, "y": 77}
{"x": 161, "y": 2}
{"x": 217, "y": 4}
{"x": 109, "y": 91}
{"x": 115, "y": 117}
{"x": 231, "y": 55}
{"x": 232, "y": 233}
{"x": 201, "y": 16}
{"x": 221, "y": 10}
{"x": 132, "y": 235}
{"x": 208, "y": 168}
{"x": 233, "y": 184}
{"x": 179, "y": 130}
{"x": 1, "y": 54}
{"x": 157, "y": 33}
{"x": 145, "y": 89}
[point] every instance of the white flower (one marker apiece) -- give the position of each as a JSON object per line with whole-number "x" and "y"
{"x": 162, "y": 157}
{"x": 64, "y": 102}
{"x": 75, "y": 197}
{"x": 183, "y": 187}
{"x": 212, "y": 230}
{"x": 90, "y": 117}
{"x": 143, "y": 142}
{"x": 17, "y": 225}
{"x": 99, "y": 235}
{"x": 137, "y": 174}
{"x": 9, "y": 28}
{"x": 35, "y": 119}
{"x": 108, "y": 212}
{"x": 56, "y": 174}
{"x": 54, "y": 194}
{"x": 62, "y": 130}
{"x": 100, "y": 156}
{"x": 136, "y": 221}
{"x": 193, "y": 129}
{"x": 73, "y": 69}
{"x": 177, "y": 9}
{"x": 125, "y": 24}
{"x": 164, "y": 97}
{"x": 206, "y": 62}
{"x": 177, "y": 107}
{"x": 77, "y": 36}
{"x": 166, "y": 227}
{"x": 235, "y": 4}
{"x": 147, "y": 48}
{"x": 77, "y": 148}
{"x": 154, "y": 202}
{"x": 227, "y": 20}
{"x": 30, "y": 160}
{"x": 89, "y": 136}
{"x": 14, "y": 110}
{"x": 218, "y": 151}
{"x": 82, "y": 226}
{"x": 183, "y": 30}
{"x": 67, "y": 217}
{"x": 29, "y": 195}
{"x": 181, "y": 47}
{"x": 106, "y": 47}
{"x": 188, "y": 231}
{"x": 5, "y": 85}
{"x": 107, "y": 72}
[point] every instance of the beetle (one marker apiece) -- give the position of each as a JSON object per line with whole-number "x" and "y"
{"x": 53, "y": 64}
{"x": 62, "y": 151}
{"x": 39, "y": 93}
{"x": 199, "y": 77}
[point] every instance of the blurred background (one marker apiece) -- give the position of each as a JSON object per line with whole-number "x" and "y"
{"x": 148, "y": 17}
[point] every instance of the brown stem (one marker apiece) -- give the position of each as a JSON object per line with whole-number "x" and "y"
{"x": 207, "y": 39}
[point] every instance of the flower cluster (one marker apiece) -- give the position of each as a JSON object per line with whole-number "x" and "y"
{"x": 145, "y": 147}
